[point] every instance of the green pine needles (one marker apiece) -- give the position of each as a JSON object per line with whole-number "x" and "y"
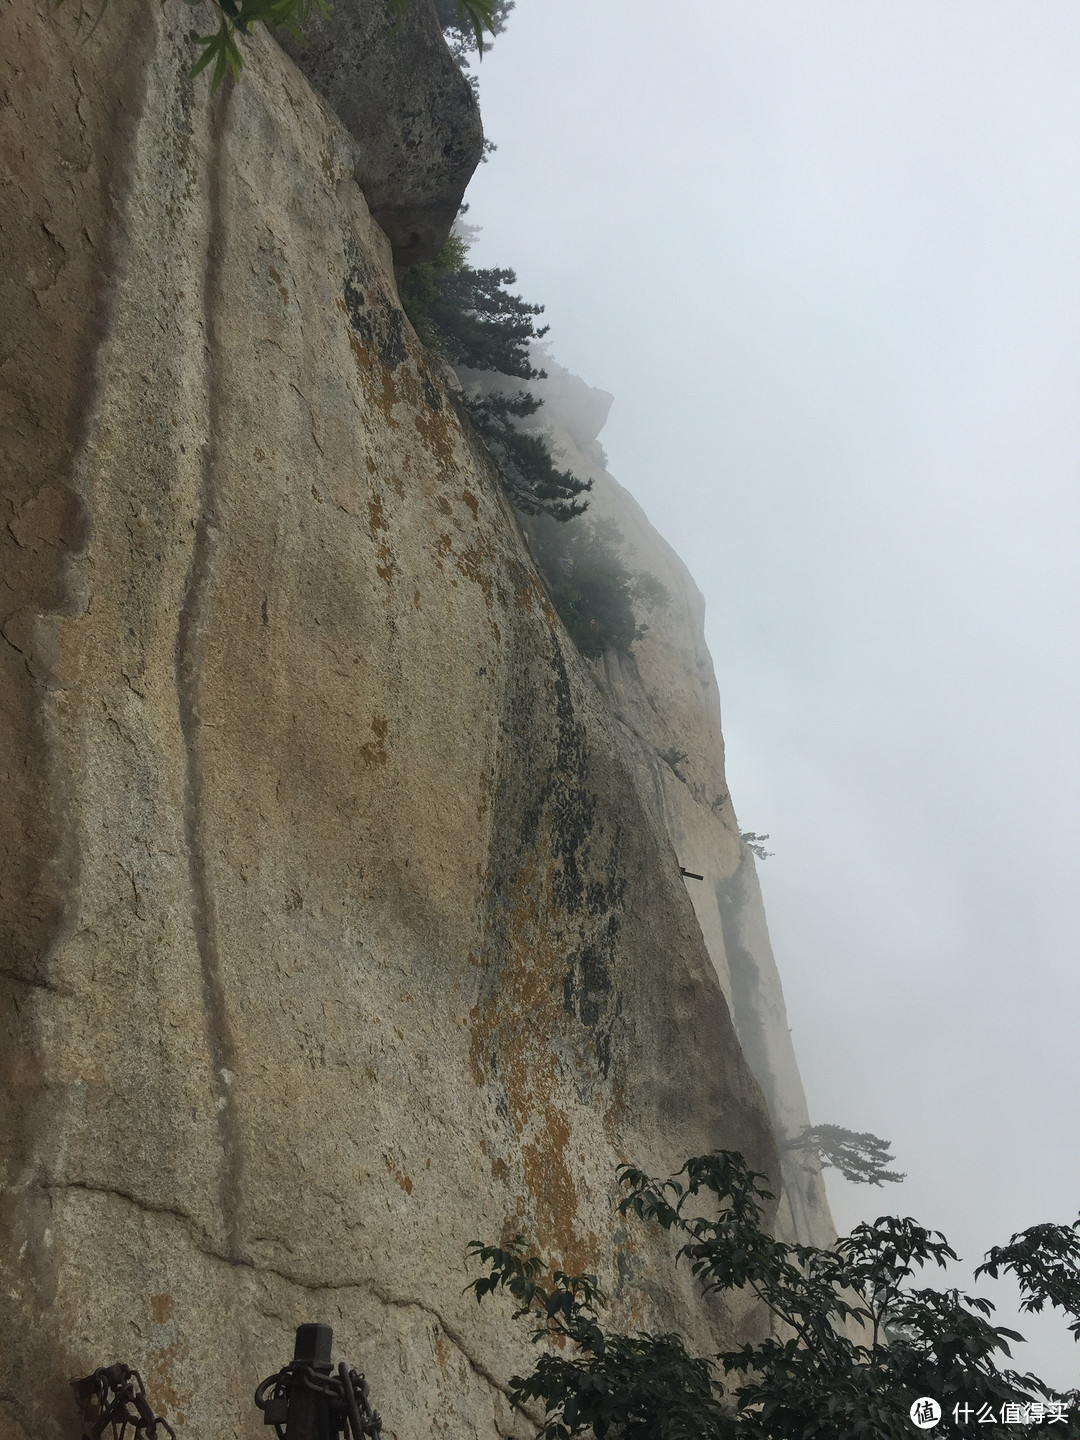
{"x": 598, "y": 598}
{"x": 471, "y": 318}
{"x": 859, "y": 1156}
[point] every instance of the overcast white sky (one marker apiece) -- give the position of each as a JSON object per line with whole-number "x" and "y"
{"x": 826, "y": 255}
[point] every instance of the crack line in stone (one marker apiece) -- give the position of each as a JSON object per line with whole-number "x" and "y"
{"x": 189, "y": 665}
{"x": 367, "y": 1286}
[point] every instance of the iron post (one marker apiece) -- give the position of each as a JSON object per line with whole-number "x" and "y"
{"x": 309, "y": 1414}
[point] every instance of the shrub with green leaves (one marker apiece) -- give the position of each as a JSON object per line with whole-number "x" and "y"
{"x": 854, "y": 1344}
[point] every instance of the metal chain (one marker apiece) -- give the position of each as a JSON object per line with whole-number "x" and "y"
{"x": 346, "y": 1396}
{"x": 115, "y": 1397}
{"x": 113, "y": 1401}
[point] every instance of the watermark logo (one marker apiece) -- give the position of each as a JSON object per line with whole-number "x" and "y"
{"x": 925, "y": 1413}
{"x": 1012, "y": 1412}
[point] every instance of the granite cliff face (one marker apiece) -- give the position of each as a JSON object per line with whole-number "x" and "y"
{"x": 665, "y": 700}
{"x": 342, "y": 919}
{"x": 397, "y": 89}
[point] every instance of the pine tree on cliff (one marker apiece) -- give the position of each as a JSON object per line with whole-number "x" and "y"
{"x": 471, "y": 318}
{"x": 460, "y": 29}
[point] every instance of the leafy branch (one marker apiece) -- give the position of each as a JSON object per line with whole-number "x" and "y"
{"x": 1046, "y": 1261}
{"x": 237, "y": 17}
{"x": 856, "y": 1344}
{"x": 221, "y": 50}
{"x": 615, "y": 1384}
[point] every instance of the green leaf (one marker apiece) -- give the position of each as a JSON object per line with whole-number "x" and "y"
{"x": 811, "y": 1380}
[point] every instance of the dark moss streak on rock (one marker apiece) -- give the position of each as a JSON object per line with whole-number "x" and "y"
{"x": 190, "y": 655}
{"x": 56, "y": 393}
{"x": 747, "y": 1001}
{"x": 557, "y": 821}
{"x": 378, "y": 324}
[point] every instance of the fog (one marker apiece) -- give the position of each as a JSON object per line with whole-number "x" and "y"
{"x": 826, "y": 256}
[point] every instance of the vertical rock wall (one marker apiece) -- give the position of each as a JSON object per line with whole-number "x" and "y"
{"x": 665, "y": 701}
{"x": 392, "y": 82}
{"x": 339, "y": 928}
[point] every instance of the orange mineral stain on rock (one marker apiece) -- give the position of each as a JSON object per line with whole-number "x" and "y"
{"x": 384, "y": 566}
{"x": 521, "y": 1024}
{"x": 405, "y": 1181}
{"x": 161, "y": 1307}
{"x": 473, "y": 564}
{"x": 281, "y": 288}
{"x": 376, "y": 515}
{"x": 163, "y": 1392}
{"x": 438, "y": 431}
{"x": 375, "y": 379}
{"x": 375, "y": 752}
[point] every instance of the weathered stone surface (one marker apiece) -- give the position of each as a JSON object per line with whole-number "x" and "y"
{"x": 667, "y": 705}
{"x": 396, "y": 87}
{"x": 338, "y": 929}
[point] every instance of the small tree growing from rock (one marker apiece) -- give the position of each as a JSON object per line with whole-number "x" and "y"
{"x": 472, "y": 319}
{"x": 860, "y": 1157}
